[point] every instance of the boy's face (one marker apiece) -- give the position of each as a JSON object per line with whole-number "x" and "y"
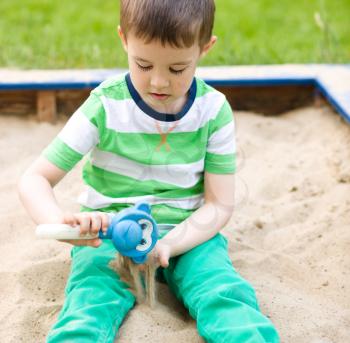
{"x": 162, "y": 75}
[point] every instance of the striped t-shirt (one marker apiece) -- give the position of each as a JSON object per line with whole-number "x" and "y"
{"x": 139, "y": 154}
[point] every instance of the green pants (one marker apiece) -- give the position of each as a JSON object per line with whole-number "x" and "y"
{"x": 218, "y": 298}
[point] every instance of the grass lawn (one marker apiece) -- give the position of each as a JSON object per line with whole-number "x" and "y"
{"x": 82, "y": 34}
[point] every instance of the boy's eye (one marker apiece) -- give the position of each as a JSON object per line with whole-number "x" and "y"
{"x": 144, "y": 68}
{"x": 176, "y": 71}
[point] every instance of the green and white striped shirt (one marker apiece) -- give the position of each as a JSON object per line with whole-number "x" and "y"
{"x": 136, "y": 153}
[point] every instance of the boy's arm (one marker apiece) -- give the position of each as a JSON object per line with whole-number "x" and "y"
{"x": 35, "y": 188}
{"x": 209, "y": 219}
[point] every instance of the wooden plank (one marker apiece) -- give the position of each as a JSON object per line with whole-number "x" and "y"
{"x": 68, "y": 101}
{"x": 268, "y": 100}
{"x": 46, "y": 106}
{"x": 18, "y": 103}
{"x": 332, "y": 80}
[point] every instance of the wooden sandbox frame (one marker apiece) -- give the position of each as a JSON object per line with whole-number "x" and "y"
{"x": 265, "y": 89}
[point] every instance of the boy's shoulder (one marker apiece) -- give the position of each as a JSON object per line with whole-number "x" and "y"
{"x": 204, "y": 89}
{"x": 114, "y": 87}
{"x": 208, "y": 96}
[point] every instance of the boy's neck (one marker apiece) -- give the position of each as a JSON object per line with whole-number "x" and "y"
{"x": 173, "y": 108}
{"x": 168, "y": 112}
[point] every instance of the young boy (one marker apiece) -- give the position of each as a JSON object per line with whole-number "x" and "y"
{"x": 161, "y": 135}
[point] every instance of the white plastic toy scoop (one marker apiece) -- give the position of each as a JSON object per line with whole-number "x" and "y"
{"x": 60, "y": 231}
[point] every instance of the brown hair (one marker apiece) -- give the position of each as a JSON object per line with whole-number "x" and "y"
{"x": 179, "y": 23}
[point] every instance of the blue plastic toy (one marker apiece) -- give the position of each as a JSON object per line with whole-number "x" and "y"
{"x": 133, "y": 232}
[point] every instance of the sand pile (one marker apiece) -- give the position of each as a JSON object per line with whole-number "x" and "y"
{"x": 289, "y": 235}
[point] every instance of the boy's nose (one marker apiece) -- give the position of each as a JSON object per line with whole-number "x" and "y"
{"x": 158, "y": 82}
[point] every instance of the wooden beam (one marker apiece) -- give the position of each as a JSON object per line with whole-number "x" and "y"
{"x": 268, "y": 100}
{"x": 46, "y": 106}
{"x": 18, "y": 103}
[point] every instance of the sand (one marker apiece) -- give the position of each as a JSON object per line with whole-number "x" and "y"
{"x": 289, "y": 234}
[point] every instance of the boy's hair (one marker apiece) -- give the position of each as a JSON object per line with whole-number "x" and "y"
{"x": 179, "y": 23}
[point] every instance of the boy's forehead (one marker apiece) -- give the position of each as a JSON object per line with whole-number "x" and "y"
{"x": 155, "y": 50}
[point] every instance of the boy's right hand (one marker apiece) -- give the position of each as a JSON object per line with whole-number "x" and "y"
{"x": 90, "y": 223}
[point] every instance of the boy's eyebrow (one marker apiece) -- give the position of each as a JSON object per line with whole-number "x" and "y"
{"x": 176, "y": 63}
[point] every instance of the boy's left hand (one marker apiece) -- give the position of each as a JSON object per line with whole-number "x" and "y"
{"x": 162, "y": 253}
{"x": 159, "y": 255}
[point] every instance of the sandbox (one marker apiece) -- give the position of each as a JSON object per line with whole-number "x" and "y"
{"x": 289, "y": 234}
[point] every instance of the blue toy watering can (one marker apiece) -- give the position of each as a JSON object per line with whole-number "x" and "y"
{"x": 133, "y": 232}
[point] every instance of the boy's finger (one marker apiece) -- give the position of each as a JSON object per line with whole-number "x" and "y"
{"x": 104, "y": 221}
{"x": 96, "y": 242}
{"x": 164, "y": 262}
{"x": 95, "y": 223}
{"x": 69, "y": 219}
{"x": 84, "y": 222}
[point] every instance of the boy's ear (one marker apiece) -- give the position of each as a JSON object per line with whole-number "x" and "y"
{"x": 208, "y": 46}
{"x": 122, "y": 38}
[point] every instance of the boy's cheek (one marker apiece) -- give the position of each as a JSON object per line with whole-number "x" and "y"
{"x": 140, "y": 82}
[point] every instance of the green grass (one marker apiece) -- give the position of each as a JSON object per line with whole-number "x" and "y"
{"x": 82, "y": 34}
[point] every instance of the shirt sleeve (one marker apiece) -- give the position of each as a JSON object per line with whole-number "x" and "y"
{"x": 221, "y": 148}
{"x": 80, "y": 134}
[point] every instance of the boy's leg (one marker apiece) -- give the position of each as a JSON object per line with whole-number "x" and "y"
{"x": 96, "y": 299}
{"x": 222, "y": 302}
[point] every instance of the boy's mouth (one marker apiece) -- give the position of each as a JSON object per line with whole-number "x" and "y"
{"x": 159, "y": 96}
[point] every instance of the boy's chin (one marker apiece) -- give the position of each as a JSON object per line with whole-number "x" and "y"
{"x": 163, "y": 106}
{"x": 170, "y": 105}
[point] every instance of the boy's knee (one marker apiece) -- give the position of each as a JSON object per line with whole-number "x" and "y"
{"x": 226, "y": 295}
{"x": 92, "y": 269}
{"x": 85, "y": 325}
{"x": 243, "y": 293}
